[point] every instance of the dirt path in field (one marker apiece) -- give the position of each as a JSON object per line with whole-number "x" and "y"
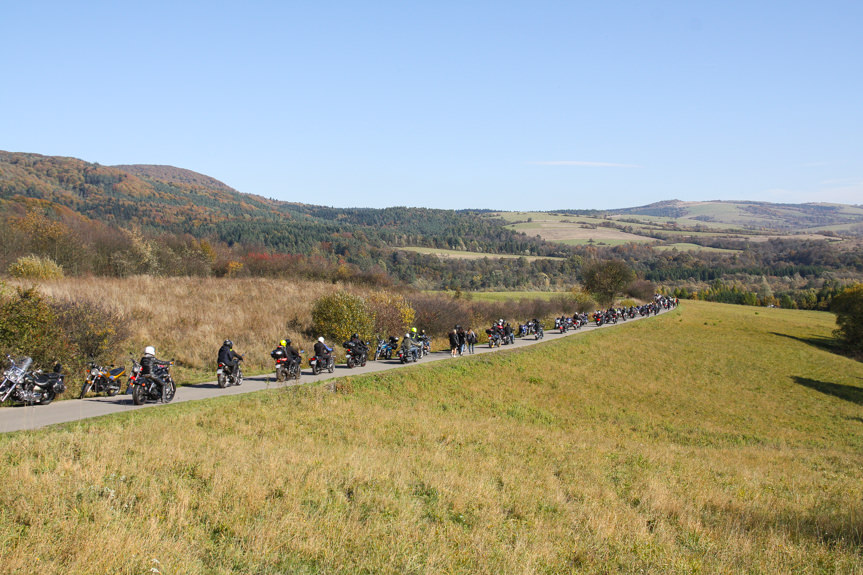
{"x": 34, "y": 417}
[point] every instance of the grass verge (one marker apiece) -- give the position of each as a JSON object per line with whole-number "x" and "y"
{"x": 711, "y": 439}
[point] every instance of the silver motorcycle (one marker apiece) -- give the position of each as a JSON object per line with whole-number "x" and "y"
{"x": 30, "y": 387}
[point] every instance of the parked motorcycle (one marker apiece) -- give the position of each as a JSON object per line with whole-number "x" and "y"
{"x": 386, "y": 348}
{"x": 30, "y": 387}
{"x": 102, "y": 380}
{"x": 319, "y": 365}
{"x": 226, "y": 375}
{"x": 147, "y": 388}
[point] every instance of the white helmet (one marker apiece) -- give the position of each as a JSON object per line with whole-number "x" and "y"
{"x": 321, "y": 339}
{"x": 149, "y": 350}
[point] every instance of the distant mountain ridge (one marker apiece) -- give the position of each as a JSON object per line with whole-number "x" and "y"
{"x": 753, "y": 214}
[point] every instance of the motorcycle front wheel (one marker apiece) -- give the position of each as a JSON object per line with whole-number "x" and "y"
{"x": 85, "y": 389}
{"x": 138, "y": 395}
{"x": 168, "y": 391}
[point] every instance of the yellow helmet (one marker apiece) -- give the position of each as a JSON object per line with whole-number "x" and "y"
{"x": 413, "y": 329}
{"x": 283, "y": 343}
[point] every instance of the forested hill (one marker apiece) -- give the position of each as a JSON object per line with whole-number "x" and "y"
{"x": 164, "y": 199}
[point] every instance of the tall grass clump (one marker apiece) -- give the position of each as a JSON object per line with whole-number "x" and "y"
{"x": 706, "y": 440}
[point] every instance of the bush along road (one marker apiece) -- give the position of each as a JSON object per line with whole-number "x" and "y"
{"x": 33, "y": 417}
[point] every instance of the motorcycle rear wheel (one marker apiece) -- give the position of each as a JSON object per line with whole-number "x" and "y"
{"x": 222, "y": 380}
{"x": 280, "y": 374}
{"x": 112, "y": 389}
{"x": 47, "y": 397}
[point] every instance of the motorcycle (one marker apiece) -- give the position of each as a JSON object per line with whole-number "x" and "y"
{"x": 408, "y": 352}
{"x": 30, "y": 387}
{"x": 102, "y": 380}
{"x": 425, "y": 342}
{"x": 539, "y": 333}
{"x": 494, "y": 338}
{"x": 319, "y": 365}
{"x": 286, "y": 369}
{"x": 226, "y": 375}
{"x": 146, "y": 387}
{"x": 356, "y": 356}
{"x": 386, "y": 348}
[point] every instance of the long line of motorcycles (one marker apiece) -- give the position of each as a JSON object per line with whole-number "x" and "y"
{"x": 21, "y": 384}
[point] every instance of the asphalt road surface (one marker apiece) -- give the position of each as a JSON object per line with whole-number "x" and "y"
{"x": 33, "y": 417}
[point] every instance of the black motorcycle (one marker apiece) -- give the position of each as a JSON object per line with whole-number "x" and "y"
{"x": 102, "y": 380}
{"x": 30, "y": 387}
{"x": 146, "y": 387}
{"x": 356, "y": 354}
{"x": 227, "y": 375}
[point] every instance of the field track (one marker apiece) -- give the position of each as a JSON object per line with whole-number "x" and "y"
{"x": 33, "y": 417}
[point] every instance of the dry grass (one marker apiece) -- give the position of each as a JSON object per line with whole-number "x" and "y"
{"x": 714, "y": 439}
{"x": 188, "y": 318}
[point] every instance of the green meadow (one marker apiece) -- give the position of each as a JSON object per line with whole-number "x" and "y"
{"x": 711, "y": 439}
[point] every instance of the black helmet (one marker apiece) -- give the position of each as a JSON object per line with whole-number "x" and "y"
{"x": 229, "y": 343}
{"x": 355, "y": 336}
{"x": 287, "y": 341}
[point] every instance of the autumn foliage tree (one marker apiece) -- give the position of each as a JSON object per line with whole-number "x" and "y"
{"x": 606, "y": 279}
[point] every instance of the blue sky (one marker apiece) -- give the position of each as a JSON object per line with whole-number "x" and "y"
{"x": 499, "y": 105}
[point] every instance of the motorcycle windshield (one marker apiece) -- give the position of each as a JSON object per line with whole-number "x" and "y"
{"x": 24, "y": 363}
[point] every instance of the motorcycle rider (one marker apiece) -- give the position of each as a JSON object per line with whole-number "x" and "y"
{"x": 412, "y": 347}
{"x": 149, "y": 363}
{"x": 357, "y": 346}
{"x": 322, "y": 352}
{"x": 228, "y": 357}
{"x": 292, "y": 354}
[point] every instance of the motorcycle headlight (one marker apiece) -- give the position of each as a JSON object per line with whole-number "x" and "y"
{"x": 94, "y": 372}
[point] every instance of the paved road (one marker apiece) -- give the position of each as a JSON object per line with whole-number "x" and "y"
{"x": 34, "y": 417}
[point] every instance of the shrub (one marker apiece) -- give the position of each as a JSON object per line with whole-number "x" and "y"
{"x": 28, "y": 327}
{"x": 49, "y": 331}
{"x": 338, "y": 315}
{"x": 35, "y": 268}
{"x": 848, "y": 307}
{"x": 641, "y": 289}
{"x": 93, "y": 331}
{"x": 583, "y": 302}
{"x": 393, "y": 314}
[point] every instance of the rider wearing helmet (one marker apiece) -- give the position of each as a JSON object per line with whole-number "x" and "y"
{"x": 322, "y": 351}
{"x": 228, "y": 357}
{"x": 290, "y": 351}
{"x": 148, "y": 365}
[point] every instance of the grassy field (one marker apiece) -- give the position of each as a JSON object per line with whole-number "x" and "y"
{"x": 458, "y": 254}
{"x": 713, "y": 439}
{"x": 512, "y": 295}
